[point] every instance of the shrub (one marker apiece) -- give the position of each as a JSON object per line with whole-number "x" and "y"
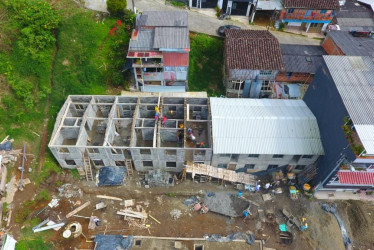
{"x": 36, "y": 21}
{"x": 177, "y": 3}
{"x": 282, "y": 26}
{"x": 116, "y": 7}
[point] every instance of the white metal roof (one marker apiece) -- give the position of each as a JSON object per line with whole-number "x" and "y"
{"x": 354, "y": 79}
{"x": 264, "y": 126}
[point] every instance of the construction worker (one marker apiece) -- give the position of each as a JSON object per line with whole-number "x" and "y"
{"x": 304, "y": 224}
{"x": 163, "y": 120}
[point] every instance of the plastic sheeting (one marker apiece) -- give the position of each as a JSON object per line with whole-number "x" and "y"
{"x": 7, "y": 146}
{"x": 111, "y": 176}
{"x": 247, "y": 236}
{"x": 332, "y": 209}
{"x": 106, "y": 242}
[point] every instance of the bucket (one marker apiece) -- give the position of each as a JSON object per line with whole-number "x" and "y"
{"x": 306, "y": 187}
{"x": 290, "y": 176}
{"x": 240, "y": 193}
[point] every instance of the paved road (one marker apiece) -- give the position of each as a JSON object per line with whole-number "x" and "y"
{"x": 204, "y": 21}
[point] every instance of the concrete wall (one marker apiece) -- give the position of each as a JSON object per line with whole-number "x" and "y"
{"x": 261, "y": 162}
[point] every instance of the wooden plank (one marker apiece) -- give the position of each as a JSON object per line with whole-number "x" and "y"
{"x": 109, "y": 197}
{"x": 153, "y": 218}
{"x": 1, "y": 213}
{"x": 9, "y": 218}
{"x": 78, "y": 209}
{"x": 131, "y": 215}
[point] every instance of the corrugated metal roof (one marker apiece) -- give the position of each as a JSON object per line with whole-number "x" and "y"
{"x": 302, "y": 58}
{"x": 352, "y": 46}
{"x": 171, "y": 38}
{"x": 356, "y": 177}
{"x": 144, "y": 41}
{"x": 269, "y": 5}
{"x": 264, "y": 126}
{"x": 354, "y": 79}
{"x": 356, "y": 22}
{"x": 164, "y": 18}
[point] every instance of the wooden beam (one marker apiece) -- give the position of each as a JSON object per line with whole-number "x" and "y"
{"x": 78, "y": 209}
{"x": 108, "y": 197}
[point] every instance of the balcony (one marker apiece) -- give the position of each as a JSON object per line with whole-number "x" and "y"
{"x": 149, "y": 63}
{"x": 303, "y": 17}
{"x": 153, "y": 76}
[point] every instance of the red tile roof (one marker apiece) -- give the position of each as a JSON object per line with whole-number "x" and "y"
{"x": 253, "y": 50}
{"x": 312, "y": 4}
{"x": 356, "y": 177}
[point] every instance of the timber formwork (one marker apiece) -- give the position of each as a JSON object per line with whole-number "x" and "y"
{"x": 110, "y": 130}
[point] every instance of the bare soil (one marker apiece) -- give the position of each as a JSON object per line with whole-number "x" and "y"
{"x": 323, "y": 231}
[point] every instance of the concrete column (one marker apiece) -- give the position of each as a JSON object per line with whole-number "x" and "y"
{"x": 253, "y": 15}
{"x": 248, "y": 9}
{"x": 324, "y": 27}
{"x": 219, "y": 4}
{"x": 307, "y": 27}
{"x": 229, "y": 7}
{"x": 190, "y": 3}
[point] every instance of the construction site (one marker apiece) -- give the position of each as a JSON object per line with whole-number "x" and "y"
{"x": 147, "y": 182}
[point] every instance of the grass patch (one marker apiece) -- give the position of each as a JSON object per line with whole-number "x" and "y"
{"x": 75, "y": 174}
{"x": 177, "y": 3}
{"x": 206, "y": 59}
{"x": 42, "y": 196}
{"x": 31, "y": 240}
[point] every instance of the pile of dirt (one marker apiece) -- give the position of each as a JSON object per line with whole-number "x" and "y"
{"x": 226, "y": 203}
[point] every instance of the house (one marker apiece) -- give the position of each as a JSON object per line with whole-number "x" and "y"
{"x": 346, "y": 43}
{"x": 252, "y": 60}
{"x": 308, "y": 15}
{"x": 159, "y": 49}
{"x": 355, "y": 16}
{"x": 301, "y": 62}
{"x": 268, "y": 8}
{"x": 231, "y": 7}
{"x": 253, "y": 135}
{"x": 341, "y": 98}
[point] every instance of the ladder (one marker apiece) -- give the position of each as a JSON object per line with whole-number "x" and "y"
{"x": 129, "y": 168}
{"x": 87, "y": 167}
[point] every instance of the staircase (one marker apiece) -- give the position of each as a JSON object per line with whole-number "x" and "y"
{"x": 87, "y": 166}
{"x": 129, "y": 168}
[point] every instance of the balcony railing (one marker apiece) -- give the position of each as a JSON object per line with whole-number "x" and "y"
{"x": 141, "y": 63}
{"x": 153, "y": 76}
{"x": 314, "y": 17}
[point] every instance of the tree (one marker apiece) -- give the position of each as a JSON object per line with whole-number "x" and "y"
{"x": 116, "y": 7}
{"x": 36, "y": 21}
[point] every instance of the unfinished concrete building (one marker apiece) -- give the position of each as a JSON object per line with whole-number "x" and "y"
{"x": 103, "y": 131}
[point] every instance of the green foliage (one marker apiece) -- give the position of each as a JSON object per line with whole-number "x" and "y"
{"x": 30, "y": 240}
{"x": 50, "y": 167}
{"x": 77, "y": 67}
{"x": 282, "y": 26}
{"x": 118, "y": 46}
{"x": 218, "y": 11}
{"x": 116, "y": 7}
{"x": 34, "y": 243}
{"x": 23, "y": 212}
{"x": 177, "y": 3}
{"x": 75, "y": 174}
{"x": 206, "y": 59}
{"x": 42, "y": 196}
{"x": 36, "y": 21}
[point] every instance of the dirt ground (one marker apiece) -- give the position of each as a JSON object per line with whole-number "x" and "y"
{"x": 323, "y": 231}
